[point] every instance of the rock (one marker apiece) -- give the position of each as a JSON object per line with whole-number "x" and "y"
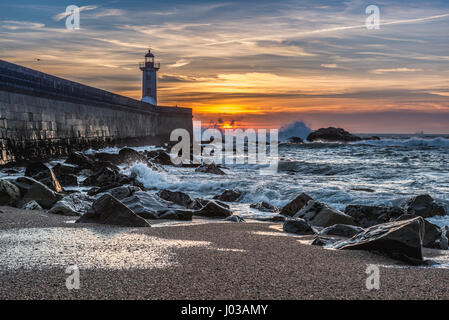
{"x": 40, "y": 172}
{"x": 109, "y": 210}
{"x": 295, "y": 205}
{"x": 66, "y": 174}
{"x": 128, "y": 155}
{"x": 183, "y": 215}
{"x": 108, "y": 157}
{"x": 213, "y": 210}
{"x": 34, "y": 190}
{"x": 296, "y": 140}
{"x": 276, "y": 218}
{"x": 341, "y": 230}
{"x": 367, "y": 216}
{"x": 264, "y": 207}
{"x": 229, "y": 195}
{"x": 200, "y": 203}
{"x": 298, "y": 226}
{"x": 321, "y": 215}
{"x": 177, "y": 197}
{"x": 332, "y": 134}
{"x": 102, "y": 178}
{"x": 400, "y": 240}
{"x": 235, "y": 218}
{"x": 363, "y": 189}
{"x": 68, "y": 180}
{"x": 210, "y": 168}
{"x": 81, "y": 160}
{"x": 423, "y": 205}
{"x": 149, "y": 206}
{"x": 32, "y": 205}
{"x": 434, "y": 236}
{"x": 9, "y": 193}
{"x": 123, "y": 192}
{"x": 375, "y": 138}
{"x": 72, "y": 205}
{"x": 323, "y": 241}
{"x": 162, "y": 158}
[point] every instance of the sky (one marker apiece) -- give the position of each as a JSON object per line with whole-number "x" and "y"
{"x": 252, "y": 64}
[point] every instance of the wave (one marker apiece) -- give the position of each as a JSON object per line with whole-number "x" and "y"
{"x": 410, "y": 142}
{"x": 295, "y": 129}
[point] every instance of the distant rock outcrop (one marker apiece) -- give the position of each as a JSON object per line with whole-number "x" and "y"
{"x": 332, "y": 134}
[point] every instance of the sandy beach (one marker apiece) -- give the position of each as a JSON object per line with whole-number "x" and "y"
{"x": 196, "y": 260}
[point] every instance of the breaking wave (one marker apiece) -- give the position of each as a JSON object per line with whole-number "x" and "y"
{"x": 414, "y": 142}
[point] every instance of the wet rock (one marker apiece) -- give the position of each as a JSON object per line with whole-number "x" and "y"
{"x": 104, "y": 177}
{"x": 66, "y": 174}
{"x": 264, "y": 207}
{"x": 178, "y": 214}
{"x": 123, "y": 192}
{"x": 35, "y": 190}
{"x": 213, "y": 210}
{"x": 367, "y": 216}
{"x": 177, "y": 197}
{"x": 321, "y": 215}
{"x": 109, "y": 210}
{"x": 9, "y": 193}
{"x": 32, "y": 205}
{"x": 423, "y": 205}
{"x": 295, "y": 205}
{"x": 229, "y": 195}
{"x": 162, "y": 158}
{"x": 149, "y": 206}
{"x": 341, "y": 230}
{"x": 434, "y": 236}
{"x": 323, "y": 241}
{"x": 81, "y": 160}
{"x": 210, "y": 168}
{"x": 298, "y": 226}
{"x": 40, "y": 172}
{"x": 235, "y": 218}
{"x": 200, "y": 203}
{"x": 295, "y": 140}
{"x": 276, "y": 218}
{"x": 332, "y": 134}
{"x": 108, "y": 157}
{"x": 400, "y": 240}
{"x": 72, "y": 205}
{"x": 128, "y": 155}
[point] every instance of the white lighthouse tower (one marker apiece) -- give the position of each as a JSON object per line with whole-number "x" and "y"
{"x": 149, "y": 79}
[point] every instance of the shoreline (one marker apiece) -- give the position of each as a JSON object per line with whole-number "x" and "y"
{"x": 212, "y": 260}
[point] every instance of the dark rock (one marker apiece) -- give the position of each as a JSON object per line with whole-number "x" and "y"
{"x": 104, "y": 177}
{"x": 123, "y": 192}
{"x": 296, "y": 140}
{"x": 81, "y": 160}
{"x": 72, "y": 205}
{"x": 367, "y": 216}
{"x": 128, "y": 155}
{"x": 40, "y": 172}
{"x": 109, "y": 210}
{"x": 149, "y": 206}
{"x": 332, "y": 134}
{"x": 321, "y": 215}
{"x": 229, "y": 195}
{"x": 177, "y": 214}
{"x": 235, "y": 218}
{"x": 363, "y": 189}
{"x": 9, "y": 193}
{"x": 210, "y": 168}
{"x": 213, "y": 210}
{"x": 66, "y": 174}
{"x": 434, "y": 236}
{"x": 276, "y": 218}
{"x": 400, "y": 240}
{"x": 341, "y": 230}
{"x": 295, "y": 205}
{"x": 31, "y": 206}
{"x": 162, "y": 158}
{"x": 298, "y": 226}
{"x": 423, "y": 205}
{"x": 323, "y": 241}
{"x": 35, "y": 190}
{"x": 177, "y": 197}
{"x": 264, "y": 207}
{"x": 108, "y": 157}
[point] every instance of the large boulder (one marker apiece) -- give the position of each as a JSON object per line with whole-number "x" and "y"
{"x": 264, "y": 207}
{"x": 434, "y": 236}
{"x": 104, "y": 177}
{"x": 9, "y": 193}
{"x": 66, "y": 174}
{"x": 401, "y": 240}
{"x": 341, "y": 230}
{"x": 162, "y": 158}
{"x": 108, "y": 157}
{"x": 72, "y": 205}
{"x": 210, "y": 168}
{"x": 128, "y": 155}
{"x": 298, "y": 226}
{"x": 81, "y": 160}
{"x": 367, "y": 216}
{"x": 213, "y": 210}
{"x": 34, "y": 190}
{"x": 177, "y": 197}
{"x": 423, "y": 205}
{"x": 123, "y": 192}
{"x": 229, "y": 195}
{"x": 295, "y": 205}
{"x": 31, "y": 206}
{"x": 322, "y": 215}
{"x": 332, "y": 134}
{"x": 109, "y": 210}
{"x": 40, "y": 172}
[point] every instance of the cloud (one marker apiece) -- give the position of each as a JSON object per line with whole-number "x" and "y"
{"x": 180, "y": 63}
{"x": 330, "y": 66}
{"x": 64, "y": 14}
{"x": 16, "y": 25}
{"x": 394, "y": 70}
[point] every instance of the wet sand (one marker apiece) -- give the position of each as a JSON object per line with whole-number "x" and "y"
{"x": 198, "y": 260}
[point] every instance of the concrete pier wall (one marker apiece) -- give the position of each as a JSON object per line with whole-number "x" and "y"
{"x": 42, "y": 116}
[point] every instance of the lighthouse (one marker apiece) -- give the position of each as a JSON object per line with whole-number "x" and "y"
{"x": 149, "y": 79}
